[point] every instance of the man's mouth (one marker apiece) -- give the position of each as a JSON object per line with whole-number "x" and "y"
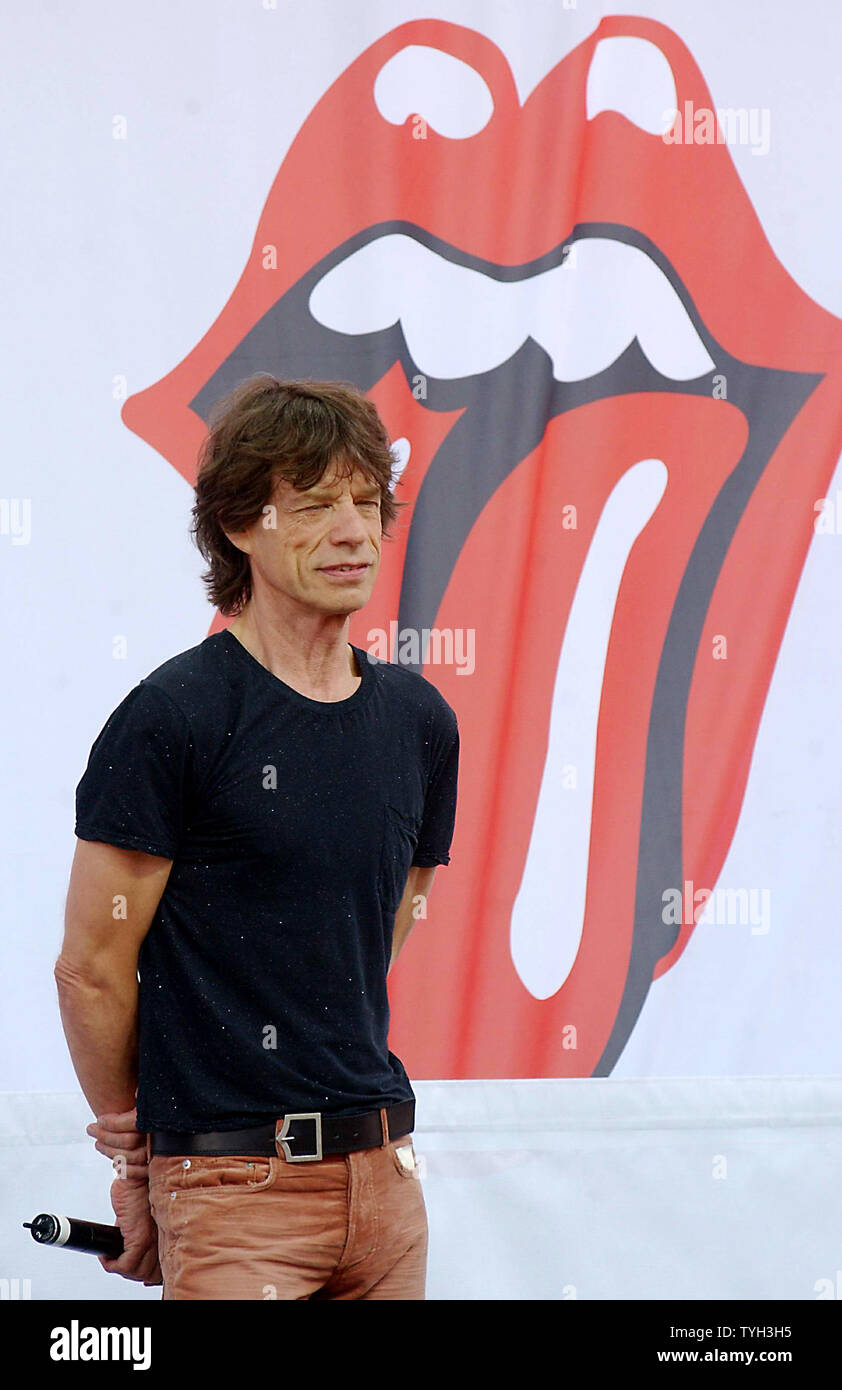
{"x": 611, "y": 410}
{"x": 345, "y": 571}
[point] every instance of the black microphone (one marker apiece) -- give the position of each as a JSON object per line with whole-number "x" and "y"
{"x": 73, "y": 1234}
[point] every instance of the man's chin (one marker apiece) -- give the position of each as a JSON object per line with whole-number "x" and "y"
{"x": 343, "y": 605}
{"x": 346, "y": 597}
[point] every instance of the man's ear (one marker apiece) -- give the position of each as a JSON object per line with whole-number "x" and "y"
{"x": 239, "y": 539}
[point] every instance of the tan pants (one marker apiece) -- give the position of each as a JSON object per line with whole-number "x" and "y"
{"x": 349, "y": 1226}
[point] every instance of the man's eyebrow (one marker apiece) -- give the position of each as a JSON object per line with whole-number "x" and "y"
{"x": 369, "y": 488}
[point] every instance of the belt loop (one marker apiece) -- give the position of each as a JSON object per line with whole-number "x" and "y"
{"x": 148, "y": 1147}
{"x": 384, "y": 1125}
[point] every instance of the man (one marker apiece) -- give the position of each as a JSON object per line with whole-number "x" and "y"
{"x": 257, "y": 824}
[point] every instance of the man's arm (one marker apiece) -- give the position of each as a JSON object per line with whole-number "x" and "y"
{"x": 111, "y": 901}
{"x": 418, "y": 883}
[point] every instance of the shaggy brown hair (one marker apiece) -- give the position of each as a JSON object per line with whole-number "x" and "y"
{"x": 266, "y": 430}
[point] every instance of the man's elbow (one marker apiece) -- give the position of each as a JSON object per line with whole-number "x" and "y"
{"x": 75, "y": 976}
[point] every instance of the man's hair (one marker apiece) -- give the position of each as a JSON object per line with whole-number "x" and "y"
{"x": 266, "y": 430}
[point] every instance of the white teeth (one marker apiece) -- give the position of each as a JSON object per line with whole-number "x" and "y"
{"x": 549, "y": 911}
{"x": 632, "y": 76}
{"x": 460, "y": 322}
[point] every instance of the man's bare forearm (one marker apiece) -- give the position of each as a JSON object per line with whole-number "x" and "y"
{"x": 100, "y": 1025}
{"x": 418, "y": 885}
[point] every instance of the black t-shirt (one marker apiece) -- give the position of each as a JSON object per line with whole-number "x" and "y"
{"x": 292, "y": 824}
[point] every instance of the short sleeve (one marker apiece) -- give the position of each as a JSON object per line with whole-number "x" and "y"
{"x": 439, "y": 817}
{"x": 133, "y": 789}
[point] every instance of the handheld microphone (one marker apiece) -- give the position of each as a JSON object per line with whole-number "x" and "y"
{"x": 73, "y": 1234}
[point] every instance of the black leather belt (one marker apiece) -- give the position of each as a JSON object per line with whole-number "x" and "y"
{"x": 303, "y": 1137}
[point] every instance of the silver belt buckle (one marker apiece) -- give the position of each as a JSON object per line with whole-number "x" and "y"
{"x": 281, "y": 1137}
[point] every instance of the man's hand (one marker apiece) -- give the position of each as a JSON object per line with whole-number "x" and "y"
{"x": 117, "y": 1138}
{"x": 139, "y": 1260}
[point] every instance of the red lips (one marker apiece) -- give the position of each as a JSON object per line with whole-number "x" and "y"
{"x": 721, "y": 556}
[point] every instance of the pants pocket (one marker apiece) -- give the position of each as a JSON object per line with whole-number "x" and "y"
{"x": 205, "y": 1173}
{"x": 404, "y": 1160}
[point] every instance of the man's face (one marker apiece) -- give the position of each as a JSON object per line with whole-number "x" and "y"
{"x": 319, "y": 547}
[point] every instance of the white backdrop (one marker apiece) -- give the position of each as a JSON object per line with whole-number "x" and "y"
{"x": 119, "y": 256}
{"x": 577, "y": 1189}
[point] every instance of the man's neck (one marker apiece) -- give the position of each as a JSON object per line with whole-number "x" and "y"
{"x": 319, "y": 664}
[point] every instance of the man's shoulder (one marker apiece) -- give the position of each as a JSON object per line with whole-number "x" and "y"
{"x": 410, "y": 688}
{"x": 192, "y": 680}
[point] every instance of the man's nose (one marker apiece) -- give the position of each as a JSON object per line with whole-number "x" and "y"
{"x": 348, "y": 524}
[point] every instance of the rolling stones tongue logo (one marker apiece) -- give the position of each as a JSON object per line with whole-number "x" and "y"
{"x": 565, "y": 318}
